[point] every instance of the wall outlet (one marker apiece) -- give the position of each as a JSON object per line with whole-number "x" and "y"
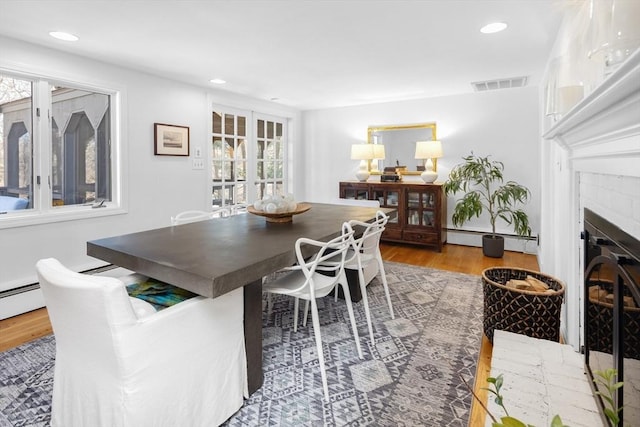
{"x": 197, "y": 164}
{"x": 197, "y": 152}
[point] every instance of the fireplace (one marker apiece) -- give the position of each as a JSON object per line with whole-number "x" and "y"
{"x": 612, "y": 312}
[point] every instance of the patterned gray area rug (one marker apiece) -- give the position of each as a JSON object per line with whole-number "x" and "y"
{"x": 409, "y": 377}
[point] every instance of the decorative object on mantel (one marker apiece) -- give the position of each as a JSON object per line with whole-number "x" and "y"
{"x": 277, "y": 208}
{"x": 476, "y": 177}
{"x": 364, "y": 153}
{"x": 170, "y": 140}
{"x": 430, "y": 152}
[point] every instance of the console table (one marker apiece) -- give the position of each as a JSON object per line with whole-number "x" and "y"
{"x": 422, "y": 209}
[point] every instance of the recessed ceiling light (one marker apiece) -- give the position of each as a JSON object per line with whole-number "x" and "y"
{"x": 218, "y": 81}
{"x": 494, "y": 27}
{"x": 61, "y": 35}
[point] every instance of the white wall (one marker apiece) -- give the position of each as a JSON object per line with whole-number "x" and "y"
{"x": 503, "y": 124}
{"x": 156, "y": 187}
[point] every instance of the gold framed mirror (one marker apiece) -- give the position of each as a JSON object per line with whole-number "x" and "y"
{"x": 399, "y": 143}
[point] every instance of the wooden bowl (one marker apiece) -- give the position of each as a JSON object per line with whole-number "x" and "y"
{"x": 280, "y": 216}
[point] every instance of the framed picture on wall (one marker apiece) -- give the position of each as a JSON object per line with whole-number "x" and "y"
{"x": 170, "y": 140}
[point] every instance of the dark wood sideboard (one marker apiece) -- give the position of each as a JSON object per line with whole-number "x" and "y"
{"x": 422, "y": 209}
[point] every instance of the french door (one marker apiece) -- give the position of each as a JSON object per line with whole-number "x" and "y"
{"x": 247, "y": 152}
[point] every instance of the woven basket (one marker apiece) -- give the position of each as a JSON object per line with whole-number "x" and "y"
{"x": 523, "y": 312}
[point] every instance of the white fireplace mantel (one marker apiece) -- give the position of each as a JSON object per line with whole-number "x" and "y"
{"x": 597, "y": 140}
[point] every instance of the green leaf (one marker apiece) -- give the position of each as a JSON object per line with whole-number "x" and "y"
{"x": 557, "y": 422}
{"x": 512, "y": 422}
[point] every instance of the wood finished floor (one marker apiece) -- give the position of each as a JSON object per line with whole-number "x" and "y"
{"x": 463, "y": 259}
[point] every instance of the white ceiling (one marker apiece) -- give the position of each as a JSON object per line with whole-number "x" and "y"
{"x": 308, "y": 54}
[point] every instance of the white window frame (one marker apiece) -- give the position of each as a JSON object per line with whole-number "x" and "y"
{"x": 42, "y": 211}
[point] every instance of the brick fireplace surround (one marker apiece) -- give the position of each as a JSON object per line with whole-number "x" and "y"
{"x": 591, "y": 159}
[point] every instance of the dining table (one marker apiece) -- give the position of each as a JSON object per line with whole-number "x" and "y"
{"x": 216, "y": 256}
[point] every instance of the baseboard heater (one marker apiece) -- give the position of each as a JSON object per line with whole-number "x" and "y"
{"x": 35, "y": 286}
{"x": 509, "y": 235}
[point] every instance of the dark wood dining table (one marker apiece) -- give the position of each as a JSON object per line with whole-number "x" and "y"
{"x": 213, "y": 257}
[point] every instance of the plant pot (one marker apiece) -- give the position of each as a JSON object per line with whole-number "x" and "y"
{"x": 492, "y": 246}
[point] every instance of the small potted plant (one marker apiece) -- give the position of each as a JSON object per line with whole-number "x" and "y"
{"x": 481, "y": 181}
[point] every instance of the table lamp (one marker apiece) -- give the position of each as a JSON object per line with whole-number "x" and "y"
{"x": 364, "y": 153}
{"x": 378, "y": 154}
{"x": 430, "y": 151}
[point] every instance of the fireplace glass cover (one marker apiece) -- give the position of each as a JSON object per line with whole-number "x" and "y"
{"x": 612, "y": 313}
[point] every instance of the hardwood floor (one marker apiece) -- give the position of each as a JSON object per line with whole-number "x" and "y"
{"x": 463, "y": 259}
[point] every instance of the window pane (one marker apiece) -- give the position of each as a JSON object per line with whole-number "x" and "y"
{"x": 227, "y": 171}
{"x": 83, "y": 160}
{"x": 229, "y": 128}
{"x": 228, "y": 148}
{"x": 260, "y": 151}
{"x": 260, "y": 128}
{"x": 216, "y": 170}
{"x": 241, "y": 171}
{"x": 217, "y": 148}
{"x": 242, "y": 126}
{"x": 241, "y": 152}
{"x": 270, "y": 130}
{"x": 260, "y": 169}
{"x": 241, "y": 193}
{"x": 259, "y": 190}
{"x": 279, "y": 170}
{"x": 217, "y": 123}
{"x": 16, "y": 149}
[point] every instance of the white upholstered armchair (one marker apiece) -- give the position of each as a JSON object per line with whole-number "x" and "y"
{"x": 117, "y": 365}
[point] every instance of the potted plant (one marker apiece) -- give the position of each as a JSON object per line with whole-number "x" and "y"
{"x": 482, "y": 183}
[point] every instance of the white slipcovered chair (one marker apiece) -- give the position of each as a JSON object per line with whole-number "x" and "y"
{"x": 306, "y": 281}
{"x": 119, "y": 363}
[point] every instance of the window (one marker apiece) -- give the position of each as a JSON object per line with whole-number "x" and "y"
{"x": 242, "y": 154}
{"x": 16, "y": 149}
{"x": 56, "y": 145}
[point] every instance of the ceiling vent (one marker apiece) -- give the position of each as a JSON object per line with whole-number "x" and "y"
{"x": 499, "y": 84}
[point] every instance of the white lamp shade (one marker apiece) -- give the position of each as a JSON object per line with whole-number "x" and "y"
{"x": 428, "y": 149}
{"x": 362, "y": 151}
{"x": 378, "y": 151}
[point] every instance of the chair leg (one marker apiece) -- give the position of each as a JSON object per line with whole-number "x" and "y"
{"x": 365, "y": 301}
{"x": 347, "y": 298}
{"x": 306, "y": 313}
{"x": 269, "y": 304}
{"x": 383, "y": 275}
{"x": 295, "y": 314}
{"x": 316, "y": 332}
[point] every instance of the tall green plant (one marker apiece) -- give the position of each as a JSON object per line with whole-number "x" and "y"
{"x": 481, "y": 180}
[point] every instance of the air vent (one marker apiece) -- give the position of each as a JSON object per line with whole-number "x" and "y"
{"x": 499, "y": 84}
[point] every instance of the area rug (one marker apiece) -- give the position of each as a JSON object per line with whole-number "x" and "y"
{"x": 410, "y": 376}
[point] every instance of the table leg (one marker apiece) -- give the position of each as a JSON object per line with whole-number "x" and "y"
{"x": 253, "y": 333}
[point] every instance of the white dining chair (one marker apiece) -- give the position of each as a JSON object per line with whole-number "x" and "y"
{"x": 186, "y": 217}
{"x": 365, "y": 257}
{"x": 315, "y": 277}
